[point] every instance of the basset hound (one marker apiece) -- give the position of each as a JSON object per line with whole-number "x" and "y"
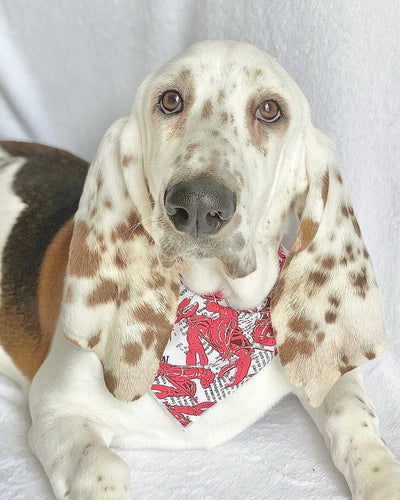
{"x": 175, "y": 229}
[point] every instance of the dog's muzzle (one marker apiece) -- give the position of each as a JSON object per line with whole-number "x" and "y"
{"x": 200, "y": 206}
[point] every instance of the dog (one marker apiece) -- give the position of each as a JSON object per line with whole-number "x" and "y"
{"x": 197, "y": 185}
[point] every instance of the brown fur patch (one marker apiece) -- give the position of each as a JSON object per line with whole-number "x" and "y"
{"x": 328, "y": 262}
{"x": 148, "y": 337}
{"x": 360, "y": 281}
{"x": 292, "y": 347}
{"x": 330, "y": 316}
{"x": 307, "y": 231}
{"x": 126, "y": 160}
{"x": 317, "y": 278}
{"x": 300, "y": 324}
{"x": 110, "y": 381}
{"x": 83, "y": 262}
{"x": 132, "y": 352}
{"x": 277, "y": 292}
{"x": 106, "y": 291}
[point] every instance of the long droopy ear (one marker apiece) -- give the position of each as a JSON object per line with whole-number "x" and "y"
{"x": 118, "y": 300}
{"x": 326, "y": 308}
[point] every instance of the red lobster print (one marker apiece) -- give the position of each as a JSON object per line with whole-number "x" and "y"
{"x": 180, "y": 412}
{"x": 222, "y": 333}
{"x": 181, "y": 377}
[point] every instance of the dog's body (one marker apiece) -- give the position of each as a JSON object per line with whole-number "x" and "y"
{"x": 89, "y": 277}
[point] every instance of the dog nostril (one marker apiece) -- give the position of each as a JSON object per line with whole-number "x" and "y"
{"x": 214, "y": 219}
{"x": 180, "y": 215}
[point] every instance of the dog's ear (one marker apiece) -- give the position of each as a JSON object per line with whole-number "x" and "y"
{"x": 326, "y": 308}
{"x": 118, "y": 300}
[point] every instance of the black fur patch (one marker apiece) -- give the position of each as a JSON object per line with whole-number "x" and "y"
{"x": 50, "y": 183}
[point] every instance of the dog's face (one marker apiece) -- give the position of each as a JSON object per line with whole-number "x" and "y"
{"x": 214, "y": 122}
{"x": 218, "y": 150}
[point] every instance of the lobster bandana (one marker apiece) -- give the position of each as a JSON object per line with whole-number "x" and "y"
{"x": 213, "y": 350}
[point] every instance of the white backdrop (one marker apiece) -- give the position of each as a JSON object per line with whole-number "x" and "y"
{"x": 68, "y": 68}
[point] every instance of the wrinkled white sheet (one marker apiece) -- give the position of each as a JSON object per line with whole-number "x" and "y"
{"x": 69, "y": 68}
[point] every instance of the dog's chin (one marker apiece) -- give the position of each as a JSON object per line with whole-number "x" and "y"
{"x": 234, "y": 264}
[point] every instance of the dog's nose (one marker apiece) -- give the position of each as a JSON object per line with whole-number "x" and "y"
{"x": 200, "y": 206}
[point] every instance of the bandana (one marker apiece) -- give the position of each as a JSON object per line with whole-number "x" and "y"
{"x": 213, "y": 350}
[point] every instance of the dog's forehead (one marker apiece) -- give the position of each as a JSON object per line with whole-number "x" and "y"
{"x": 230, "y": 64}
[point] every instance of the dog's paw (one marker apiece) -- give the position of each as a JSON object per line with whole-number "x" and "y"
{"x": 99, "y": 475}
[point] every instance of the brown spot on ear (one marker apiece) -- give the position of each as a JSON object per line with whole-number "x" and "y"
{"x": 124, "y": 294}
{"x": 148, "y": 337}
{"x": 334, "y": 301}
{"x": 300, "y": 324}
{"x": 107, "y": 203}
{"x": 127, "y": 159}
{"x": 356, "y": 226}
{"x": 330, "y": 316}
{"x": 317, "y": 278}
{"x": 83, "y": 262}
{"x": 277, "y": 292}
{"x": 307, "y": 231}
{"x": 207, "y": 110}
{"x": 110, "y": 380}
{"x": 93, "y": 341}
{"x": 175, "y": 288}
{"x": 345, "y": 211}
{"x": 360, "y": 281}
{"x": 320, "y": 337}
{"x": 325, "y": 187}
{"x": 131, "y": 228}
{"x": 147, "y": 315}
{"x": 106, "y": 291}
{"x": 370, "y": 355}
{"x": 328, "y": 262}
{"x": 158, "y": 280}
{"x": 120, "y": 260}
{"x": 291, "y": 347}
{"x": 132, "y": 352}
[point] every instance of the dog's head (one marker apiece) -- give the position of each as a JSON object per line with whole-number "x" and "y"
{"x": 219, "y": 149}
{"x": 219, "y": 125}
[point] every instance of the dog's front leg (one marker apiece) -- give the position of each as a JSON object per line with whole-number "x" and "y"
{"x": 349, "y": 425}
{"x": 77, "y": 460}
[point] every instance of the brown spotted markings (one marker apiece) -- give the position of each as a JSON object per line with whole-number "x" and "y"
{"x": 83, "y": 262}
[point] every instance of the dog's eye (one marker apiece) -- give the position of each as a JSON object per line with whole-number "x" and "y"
{"x": 268, "y": 111}
{"x": 171, "y": 102}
